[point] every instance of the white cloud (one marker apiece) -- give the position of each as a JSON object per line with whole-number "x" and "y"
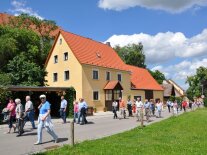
{"x": 183, "y": 69}
{"x": 163, "y": 47}
{"x": 179, "y": 72}
{"x": 173, "y": 6}
{"x": 20, "y": 7}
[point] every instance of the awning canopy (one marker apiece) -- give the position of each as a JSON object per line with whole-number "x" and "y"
{"x": 37, "y": 88}
{"x": 113, "y": 85}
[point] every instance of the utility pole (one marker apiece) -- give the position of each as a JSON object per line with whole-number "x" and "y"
{"x": 72, "y": 132}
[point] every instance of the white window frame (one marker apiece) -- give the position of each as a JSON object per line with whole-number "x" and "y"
{"x": 55, "y": 62}
{"x": 109, "y": 75}
{"x": 65, "y": 75}
{"x": 98, "y": 95}
{"x": 60, "y": 41}
{"x": 54, "y": 77}
{"x": 98, "y": 74}
{"x": 65, "y": 57}
{"x": 118, "y": 78}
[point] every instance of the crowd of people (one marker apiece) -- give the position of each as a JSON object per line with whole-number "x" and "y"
{"x": 151, "y": 108}
{"x": 136, "y": 108}
{"x": 17, "y": 116}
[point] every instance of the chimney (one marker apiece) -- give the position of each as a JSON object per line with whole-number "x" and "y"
{"x": 108, "y": 43}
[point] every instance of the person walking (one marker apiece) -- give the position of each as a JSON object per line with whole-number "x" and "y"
{"x": 44, "y": 121}
{"x": 63, "y": 107}
{"x": 175, "y": 107}
{"x": 11, "y": 106}
{"x": 29, "y": 109}
{"x": 159, "y": 108}
{"x": 122, "y": 108}
{"x": 152, "y": 107}
{"x": 19, "y": 117}
{"x": 82, "y": 107}
{"x": 134, "y": 108}
{"x": 147, "y": 109}
{"x": 169, "y": 105}
{"x": 114, "y": 108}
{"x": 75, "y": 110}
{"x": 129, "y": 107}
{"x": 139, "y": 106}
{"x": 184, "y": 105}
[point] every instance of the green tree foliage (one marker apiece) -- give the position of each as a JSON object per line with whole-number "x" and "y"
{"x": 132, "y": 54}
{"x": 24, "y": 46}
{"x": 158, "y": 76}
{"x": 24, "y": 72}
{"x": 195, "y": 82}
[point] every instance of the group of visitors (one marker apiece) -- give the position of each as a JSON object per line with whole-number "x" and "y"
{"x": 137, "y": 107}
{"x": 14, "y": 111}
{"x": 80, "y": 109}
{"x": 176, "y": 106}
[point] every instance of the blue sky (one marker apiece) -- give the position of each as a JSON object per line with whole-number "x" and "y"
{"x": 174, "y": 33}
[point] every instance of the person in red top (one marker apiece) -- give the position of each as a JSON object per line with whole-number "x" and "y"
{"x": 11, "y": 106}
{"x": 75, "y": 110}
{"x": 184, "y": 105}
{"x": 122, "y": 107}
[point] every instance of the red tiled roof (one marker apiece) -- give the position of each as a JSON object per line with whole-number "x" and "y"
{"x": 5, "y": 19}
{"x": 91, "y": 52}
{"x": 142, "y": 79}
{"x": 111, "y": 85}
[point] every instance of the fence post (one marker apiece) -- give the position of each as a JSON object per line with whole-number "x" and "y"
{"x": 72, "y": 132}
{"x": 142, "y": 123}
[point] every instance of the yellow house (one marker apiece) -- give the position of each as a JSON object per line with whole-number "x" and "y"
{"x": 96, "y": 72}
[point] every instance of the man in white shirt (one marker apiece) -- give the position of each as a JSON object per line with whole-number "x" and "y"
{"x": 139, "y": 107}
{"x": 63, "y": 107}
{"x": 29, "y": 109}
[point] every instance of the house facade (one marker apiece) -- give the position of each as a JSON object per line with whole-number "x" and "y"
{"x": 96, "y": 72}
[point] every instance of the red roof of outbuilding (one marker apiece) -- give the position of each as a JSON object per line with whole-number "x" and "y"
{"x": 142, "y": 79}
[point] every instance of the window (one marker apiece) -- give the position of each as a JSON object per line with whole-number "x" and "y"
{"x": 108, "y": 76}
{"x": 55, "y": 77}
{"x": 108, "y": 95}
{"x": 60, "y": 41}
{"x": 95, "y": 95}
{"x": 135, "y": 97}
{"x": 95, "y": 74}
{"x": 117, "y": 94}
{"x": 55, "y": 59}
{"x": 65, "y": 56}
{"x": 67, "y": 75}
{"x": 119, "y": 77}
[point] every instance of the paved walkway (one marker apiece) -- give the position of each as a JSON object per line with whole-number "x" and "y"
{"x": 100, "y": 125}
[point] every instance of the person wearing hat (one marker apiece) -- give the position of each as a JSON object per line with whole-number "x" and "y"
{"x": 44, "y": 120}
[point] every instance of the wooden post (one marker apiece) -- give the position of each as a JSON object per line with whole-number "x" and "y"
{"x": 72, "y": 132}
{"x": 142, "y": 123}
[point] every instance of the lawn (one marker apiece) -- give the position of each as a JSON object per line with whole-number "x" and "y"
{"x": 185, "y": 134}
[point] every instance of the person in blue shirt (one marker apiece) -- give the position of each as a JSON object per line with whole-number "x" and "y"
{"x": 63, "y": 107}
{"x": 82, "y": 107}
{"x": 44, "y": 120}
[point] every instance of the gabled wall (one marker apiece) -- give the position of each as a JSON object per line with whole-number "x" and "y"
{"x": 71, "y": 64}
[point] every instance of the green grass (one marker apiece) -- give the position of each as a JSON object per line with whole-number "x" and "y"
{"x": 183, "y": 135}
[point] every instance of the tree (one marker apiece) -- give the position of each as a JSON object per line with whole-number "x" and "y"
{"x": 132, "y": 54}
{"x": 195, "y": 83}
{"x": 24, "y": 72}
{"x": 158, "y": 76}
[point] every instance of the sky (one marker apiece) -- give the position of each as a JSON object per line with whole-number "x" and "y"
{"x": 173, "y": 32}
